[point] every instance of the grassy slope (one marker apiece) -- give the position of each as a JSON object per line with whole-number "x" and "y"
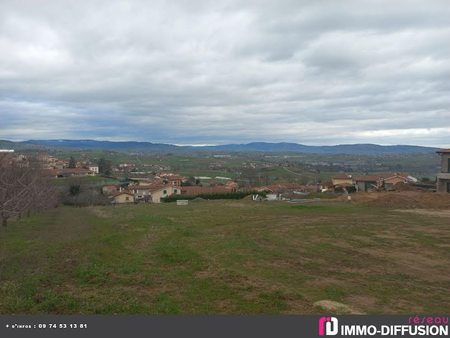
{"x": 84, "y": 180}
{"x": 224, "y": 257}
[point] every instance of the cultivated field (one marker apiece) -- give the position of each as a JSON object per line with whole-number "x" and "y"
{"x": 238, "y": 257}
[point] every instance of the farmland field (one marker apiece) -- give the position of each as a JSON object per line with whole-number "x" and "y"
{"x": 234, "y": 257}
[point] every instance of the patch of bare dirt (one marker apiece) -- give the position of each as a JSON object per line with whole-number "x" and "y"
{"x": 404, "y": 199}
{"x": 336, "y": 307}
{"x": 437, "y": 213}
{"x": 363, "y": 302}
{"x": 416, "y": 263}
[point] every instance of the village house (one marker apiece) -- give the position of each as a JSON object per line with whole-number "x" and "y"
{"x": 342, "y": 180}
{"x": 367, "y": 183}
{"x": 174, "y": 180}
{"x": 94, "y": 169}
{"x": 273, "y": 197}
{"x": 60, "y": 164}
{"x": 123, "y": 197}
{"x": 153, "y": 192}
{"x": 284, "y": 191}
{"x": 141, "y": 192}
{"x": 443, "y": 178}
{"x": 382, "y": 181}
{"x": 157, "y": 193}
{"x": 390, "y": 181}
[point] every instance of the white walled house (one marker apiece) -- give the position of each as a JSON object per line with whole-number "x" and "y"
{"x": 94, "y": 169}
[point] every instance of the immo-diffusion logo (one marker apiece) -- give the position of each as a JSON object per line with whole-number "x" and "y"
{"x": 414, "y": 326}
{"x": 328, "y": 326}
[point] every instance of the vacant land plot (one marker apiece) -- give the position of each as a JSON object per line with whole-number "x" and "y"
{"x": 238, "y": 257}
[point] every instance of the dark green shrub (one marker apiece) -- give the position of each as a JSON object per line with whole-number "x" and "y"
{"x": 218, "y": 196}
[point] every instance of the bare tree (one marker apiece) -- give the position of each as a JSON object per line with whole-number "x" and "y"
{"x": 23, "y": 189}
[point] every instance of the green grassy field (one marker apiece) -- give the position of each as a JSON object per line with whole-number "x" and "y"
{"x": 92, "y": 181}
{"x": 211, "y": 257}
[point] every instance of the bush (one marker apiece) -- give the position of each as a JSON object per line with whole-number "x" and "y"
{"x": 74, "y": 189}
{"x": 219, "y": 196}
{"x": 351, "y": 189}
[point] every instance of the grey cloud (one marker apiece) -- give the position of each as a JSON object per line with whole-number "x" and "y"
{"x": 315, "y": 72}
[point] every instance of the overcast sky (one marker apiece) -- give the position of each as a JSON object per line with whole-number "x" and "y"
{"x": 212, "y": 72}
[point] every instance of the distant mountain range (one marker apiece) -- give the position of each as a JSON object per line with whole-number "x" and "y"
{"x": 351, "y": 149}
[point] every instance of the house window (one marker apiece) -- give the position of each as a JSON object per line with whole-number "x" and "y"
{"x": 448, "y": 166}
{"x": 175, "y": 191}
{"x": 127, "y": 198}
{"x": 165, "y": 192}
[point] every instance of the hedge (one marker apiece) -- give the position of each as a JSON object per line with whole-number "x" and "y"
{"x": 217, "y": 196}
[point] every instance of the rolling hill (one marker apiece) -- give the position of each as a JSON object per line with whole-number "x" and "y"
{"x": 352, "y": 149}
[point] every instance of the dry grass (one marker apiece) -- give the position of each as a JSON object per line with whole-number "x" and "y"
{"x": 404, "y": 200}
{"x": 237, "y": 257}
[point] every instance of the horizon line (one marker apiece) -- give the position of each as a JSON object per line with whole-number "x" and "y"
{"x": 221, "y": 144}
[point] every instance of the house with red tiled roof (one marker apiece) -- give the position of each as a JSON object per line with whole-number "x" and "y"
{"x": 122, "y": 197}
{"x": 390, "y": 180}
{"x": 174, "y": 180}
{"x": 140, "y": 191}
{"x": 153, "y": 192}
{"x": 381, "y": 181}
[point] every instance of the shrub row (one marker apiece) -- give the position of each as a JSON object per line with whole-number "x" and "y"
{"x": 218, "y": 196}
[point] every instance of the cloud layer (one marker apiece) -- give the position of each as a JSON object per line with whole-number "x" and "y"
{"x": 190, "y": 72}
